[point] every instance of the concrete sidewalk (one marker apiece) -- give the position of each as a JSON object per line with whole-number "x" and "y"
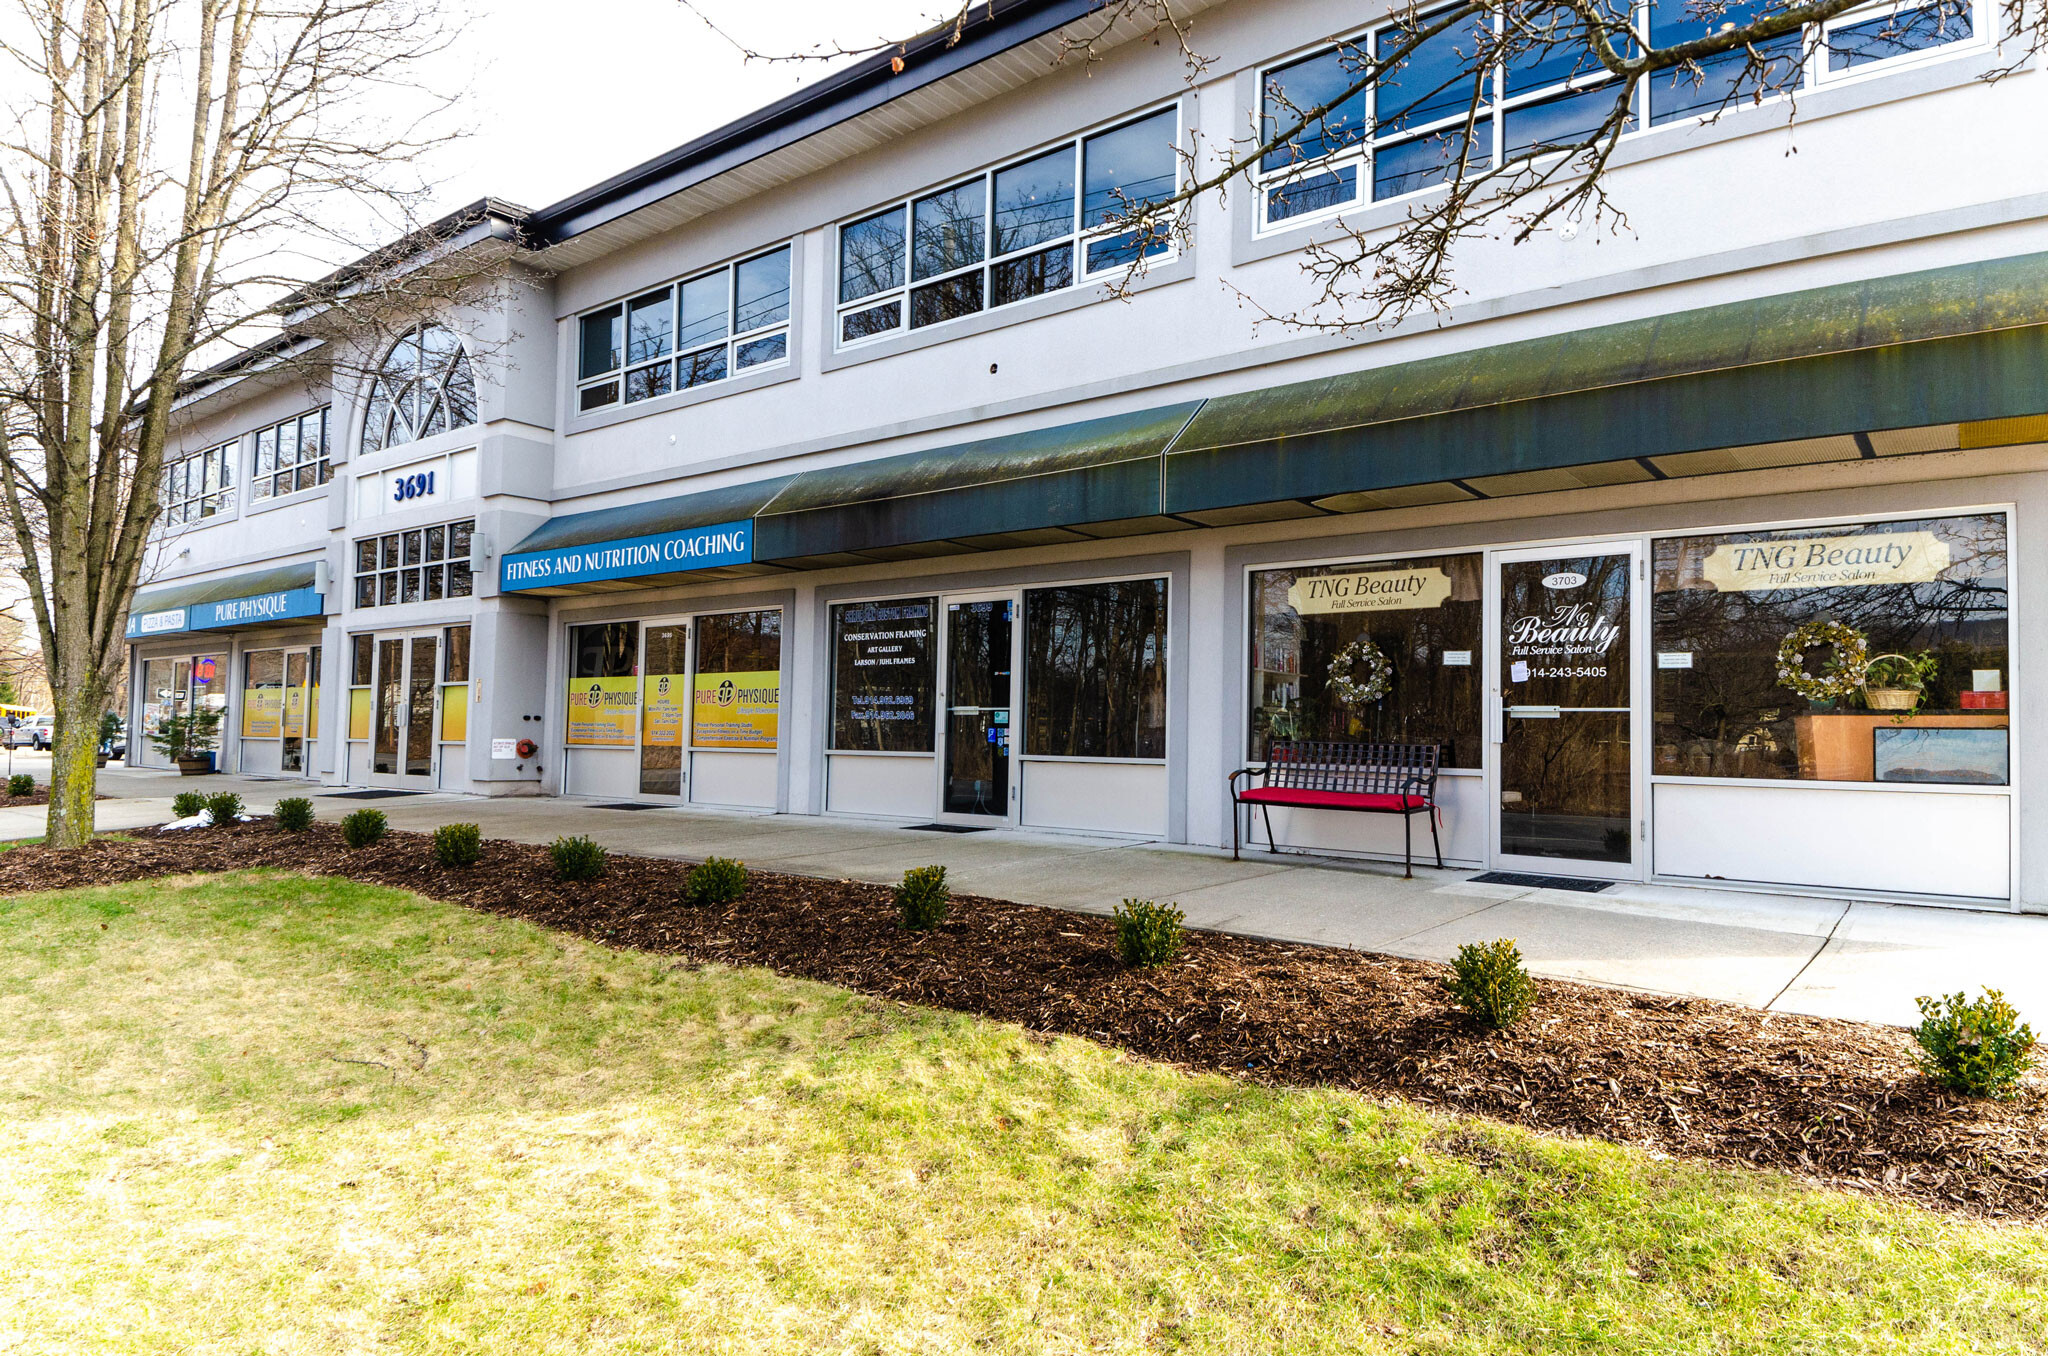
{"x": 1832, "y": 957}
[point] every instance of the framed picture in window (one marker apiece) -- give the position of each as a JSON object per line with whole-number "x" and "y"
{"x": 1946, "y": 755}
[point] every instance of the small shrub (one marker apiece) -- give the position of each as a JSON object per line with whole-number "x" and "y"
{"x": 922, "y": 898}
{"x": 187, "y": 803}
{"x": 363, "y": 827}
{"x": 294, "y": 814}
{"x": 226, "y": 807}
{"x": 21, "y": 784}
{"x": 715, "y": 880}
{"x": 577, "y": 858}
{"x": 1489, "y": 981}
{"x": 458, "y": 844}
{"x": 1978, "y": 1049}
{"x": 1148, "y": 934}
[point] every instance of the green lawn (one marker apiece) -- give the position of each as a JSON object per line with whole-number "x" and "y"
{"x": 271, "y": 1114}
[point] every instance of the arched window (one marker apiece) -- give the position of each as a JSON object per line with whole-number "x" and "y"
{"x": 424, "y": 388}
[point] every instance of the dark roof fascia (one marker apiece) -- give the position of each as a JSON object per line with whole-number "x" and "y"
{"x": 486, "y": 219}
{"x": 839, "y": 97}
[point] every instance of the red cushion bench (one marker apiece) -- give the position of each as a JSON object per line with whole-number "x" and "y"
{"x": 1323, "y": 774}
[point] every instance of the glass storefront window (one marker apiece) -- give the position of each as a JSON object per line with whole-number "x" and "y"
{"x": 1738, "y": 695}
{"x": 737, "y": 698}
{"x": 882, "y": 666}
{"x": 1095, "y": 670}
{"x": 604, "y": 685}
{"x": 1421, "y": 615}
{"x": 262, "y": 694}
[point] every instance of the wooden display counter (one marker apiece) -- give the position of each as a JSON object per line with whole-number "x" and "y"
{"x": 1839, "y": 747}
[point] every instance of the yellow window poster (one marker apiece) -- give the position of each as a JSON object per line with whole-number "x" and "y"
{"x": 359, "y": 713}
{"x": 294, "y": 712}
{"x": 667, "y": 711}
{"x": 603, "y": 711}
{"x": 313, "y": 713}
{"x": 261, "y": 710}
{"x": 455, "y": 712}
{"x": 737, "y": 710}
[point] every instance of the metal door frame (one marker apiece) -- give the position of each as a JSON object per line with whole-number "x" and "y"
{"x": 941, "y": 705}
{"x": 1638, "y": 865}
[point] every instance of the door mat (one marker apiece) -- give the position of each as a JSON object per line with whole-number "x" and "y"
{"x": 1584, "y": 887}
{"x": 628, "y": 805}
{"x": 945, "y": 828}
{"x": 365, "y": 795}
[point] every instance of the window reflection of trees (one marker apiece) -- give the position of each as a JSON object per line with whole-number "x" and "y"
{"x": 1095, "y": 670}
{"x": 1429, "y": 702}
{"x": 1728, "y": 716}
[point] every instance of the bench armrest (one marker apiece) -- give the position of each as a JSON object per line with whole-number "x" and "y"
{"x": 1248, "y": 773}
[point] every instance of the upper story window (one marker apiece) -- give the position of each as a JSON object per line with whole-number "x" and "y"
{"x": 424, "y": 387}
{"x": 424, "y": 565}
{"x": 1405, "y": 132}
{"x": 1007, "y": 234}
{"x": 291, "y": 456}
{"x": 692, "y": 333}
{"x": 200, "y": 485}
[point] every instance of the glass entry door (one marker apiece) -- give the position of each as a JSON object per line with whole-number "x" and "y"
{"x": 405, "y": 735}
{"x": 975, "y": 708}
{"x": 664, "y": 707}
{"x": 1565, "y": 712}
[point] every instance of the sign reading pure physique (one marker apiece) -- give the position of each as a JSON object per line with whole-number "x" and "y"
{"x": 1822, "y": 562}
{"x": 699, "y": 548}
{"x": 281, "y": 606}
{"x": 737, "y": 710}
{"x": 1369, "y": 591}
{"x": 603, "y": 712}
{"x": 262, "y": 710}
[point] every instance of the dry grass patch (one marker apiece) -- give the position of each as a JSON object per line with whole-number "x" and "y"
{"x": 270, "y": 1113}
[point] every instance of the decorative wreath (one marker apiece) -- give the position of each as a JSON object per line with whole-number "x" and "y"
{"x": 1361, "y": 674}
{"x": 1842, "y": 678}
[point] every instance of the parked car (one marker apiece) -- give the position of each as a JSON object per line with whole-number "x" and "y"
{"x": 33, "y": 732}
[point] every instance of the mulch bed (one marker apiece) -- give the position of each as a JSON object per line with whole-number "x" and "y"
{"x": 1831, "y": 1101}
{"x": 40, "y": 797}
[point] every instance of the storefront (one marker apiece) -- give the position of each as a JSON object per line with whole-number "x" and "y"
{"x": 1042, "y": 706}
{"x": 682, "y": 707}
{"x": 1821, "y": 704}
{"x": 244, "y": 649}
{"x": 408, "y": 708}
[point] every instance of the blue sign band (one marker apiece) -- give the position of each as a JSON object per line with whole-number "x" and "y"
{"x": 700, "y": 548}
{"x": 251, "y": 611}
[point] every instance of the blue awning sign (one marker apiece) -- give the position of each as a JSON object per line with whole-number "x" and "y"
{"x": 699, "y": 548}
{"x": 284, "y": 605}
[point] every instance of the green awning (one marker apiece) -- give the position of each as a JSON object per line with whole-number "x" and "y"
{"x": 1070, "y": 476}
{"x": 678, "y": 513}
{"x": 281, "y": 579}
{"x": 1945, "y": 346}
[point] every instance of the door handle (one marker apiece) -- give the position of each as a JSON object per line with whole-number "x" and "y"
{"x": 1536, "y": 712}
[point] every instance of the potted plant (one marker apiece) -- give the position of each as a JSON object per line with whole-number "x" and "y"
{"x": 1895, "y": 682}
{"x": 110, "y": 726}
{"x": 187, "y": 739}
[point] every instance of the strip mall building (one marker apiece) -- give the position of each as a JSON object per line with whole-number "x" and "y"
{"x": 809, "y": 470}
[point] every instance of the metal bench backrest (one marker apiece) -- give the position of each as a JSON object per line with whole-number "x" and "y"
{"x": 1363, "y": 769}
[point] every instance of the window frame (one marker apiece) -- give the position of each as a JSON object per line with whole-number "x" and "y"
{"x": 1360, "y": 155}
{"x": 2015, "y": 660}
{"x": 182, "y": 508}
{"x": 262, "y": 483}
{"x": 380, "y": 407}
{"x": 1076, "y": 240}
{"x": 672, "y": 355}
{"x": 1021, "y": 699}
{"x": 389, "y": 565}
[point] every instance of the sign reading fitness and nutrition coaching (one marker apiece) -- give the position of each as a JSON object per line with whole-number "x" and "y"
{"x": 698, "y": 548}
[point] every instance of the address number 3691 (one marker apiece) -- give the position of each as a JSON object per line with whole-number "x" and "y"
{"x": 419, "y": 485}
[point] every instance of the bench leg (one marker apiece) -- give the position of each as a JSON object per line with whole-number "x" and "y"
{"x": 1271, "y": 846}
{"x": 1435, "y": 841}
{"x": 1408, "y": 846}
{"x": 1236, "y": 819}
